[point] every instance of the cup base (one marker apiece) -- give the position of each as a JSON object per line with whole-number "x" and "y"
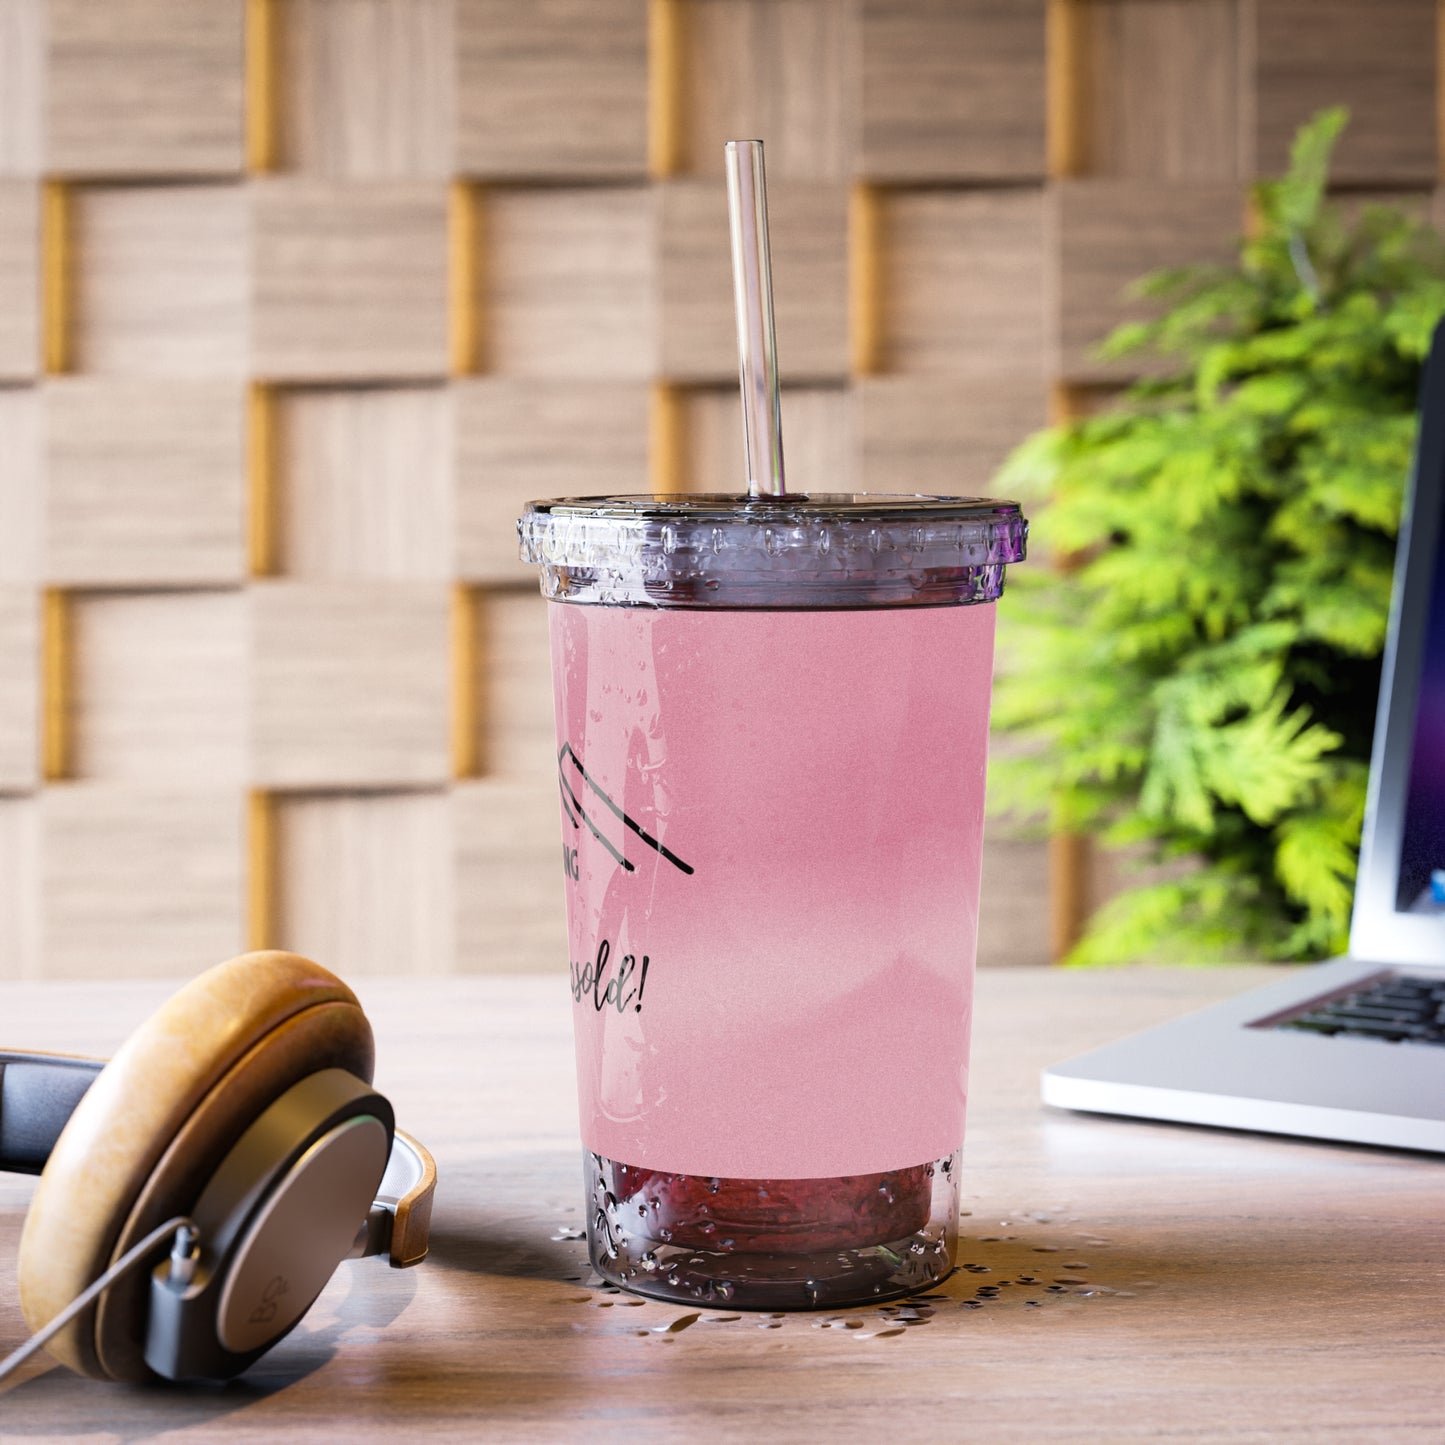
{"x": 772, "y": 1244}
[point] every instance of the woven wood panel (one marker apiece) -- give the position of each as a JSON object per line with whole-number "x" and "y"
{"x": 808, "y": 230}
{"x": 19, "y": 279}
{"x": 1378, "y": 58}
{"x": 349, "y": 279}
{"x": 143, "y": 88}
{"x": 366, "y": 89}
{"x": 963, "y": 283}
{"x": 370, "y": 880}
{"x": 1106, "y": 234}
{"x": 137, "y": 880}
{"x": 349, "y": 684}
{"x": 22, "y": 83}
{"x": 780, "y": 69}
{"x": 818, "y": 437}
{"x": 364, "y": 483}
{"x": 144, "y": 482}
{"x": 953, "y": 91}
{"x": 300, "y": 300}
{"x": 159, "y": 688}
{"x": 21, "y": 492}
{"x": 551, "y": 90}
{"x": 519, "y": 438}
{"x": 1159, "y": 89}
{"x": 157, "y": 281}
{"x": 20, "y": 697}
{"x": 570, "y": 282}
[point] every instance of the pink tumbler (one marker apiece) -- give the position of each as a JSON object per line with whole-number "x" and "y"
{"x": 772, "y": 727}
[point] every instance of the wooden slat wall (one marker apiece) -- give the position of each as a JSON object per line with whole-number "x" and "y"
{"x": 301, "y": 299}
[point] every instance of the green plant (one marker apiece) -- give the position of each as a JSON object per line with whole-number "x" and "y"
{"x": 1202, "y": 682}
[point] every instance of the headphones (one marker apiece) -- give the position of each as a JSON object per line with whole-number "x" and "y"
{"x": 244, "y": 1106}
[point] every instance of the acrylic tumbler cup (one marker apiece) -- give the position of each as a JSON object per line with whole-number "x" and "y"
{"x": 772, "y": 721}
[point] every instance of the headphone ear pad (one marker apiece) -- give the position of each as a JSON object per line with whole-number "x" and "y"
{"x": 143, "y": 1141}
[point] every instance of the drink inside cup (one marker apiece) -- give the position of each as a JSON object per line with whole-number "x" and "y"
{"x": 774, "y": 1216}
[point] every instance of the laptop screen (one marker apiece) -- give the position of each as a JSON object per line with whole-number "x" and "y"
{"x": 1399, "y": 912}
{"x": 1422, "y": 846}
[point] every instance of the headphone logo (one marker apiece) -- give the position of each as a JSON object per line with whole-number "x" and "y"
{"x": 265, "y": 1312}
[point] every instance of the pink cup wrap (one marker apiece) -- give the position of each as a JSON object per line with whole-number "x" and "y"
{"x": 772, "y": 823}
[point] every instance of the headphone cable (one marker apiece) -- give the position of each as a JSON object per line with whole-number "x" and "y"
{"x": 183, "y": 1256}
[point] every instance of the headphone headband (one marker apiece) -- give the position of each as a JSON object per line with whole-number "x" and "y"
{"x": 38, "y": 1094}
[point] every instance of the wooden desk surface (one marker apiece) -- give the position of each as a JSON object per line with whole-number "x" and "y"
{"x": 1245, "y": 1288}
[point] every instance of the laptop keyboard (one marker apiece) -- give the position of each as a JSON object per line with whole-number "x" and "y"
{"x": 1397, "y": 1008}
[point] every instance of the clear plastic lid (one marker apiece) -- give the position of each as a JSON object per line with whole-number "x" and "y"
{"x": 825, "y": 549}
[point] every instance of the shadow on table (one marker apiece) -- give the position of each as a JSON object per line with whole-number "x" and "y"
{"x": 516, "y": 1249}
{"x": 59, "y": 1403}
{"x": 507, "y": 1219}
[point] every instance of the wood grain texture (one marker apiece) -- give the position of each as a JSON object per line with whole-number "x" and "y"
{"x": 143, "y": 481}
{"x": 1378, "y": 59}
{"x": 349, "y": 684}
{"x": 962, "y": 277}
{"x": 520, "y": 736}
{"x": 350, "y": 279}
{"x": 19, "y": 280}
{"x": 1157, "y": 89}
{"x": 952, "y": 90}
{"x": 20, "y": 955}
{"x": 158, "y": 688}
{"x": 19, "y": 688}
{"x": 1108, "y": 234}
{"x": 366, "y": 881}
{"x": 22, "y": 72}
{"x": 935, "y": 434}
{"x": 555, "y": 90}
{"x": 160, "y": 280}
{"x": 364, "y": 483}
{"x": 510, "y": 910}
{"x": 818, "y": 439}
{"x": 1013, "y": 915}
{"x": 568, "y": 282}
{"x": 21, "y": 494}
{"x": 366, "y": 88}
{"x": 139, "y": 880}
{"x": 144, "y": 88}
{"x": 808, "y": 238}
{"x": 1267, "y": 1288}
{"x": 782, "y": 70}
{"x": 519, "y": 440}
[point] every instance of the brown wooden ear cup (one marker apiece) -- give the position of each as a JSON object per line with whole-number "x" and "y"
{"x": 155, "y": 1124}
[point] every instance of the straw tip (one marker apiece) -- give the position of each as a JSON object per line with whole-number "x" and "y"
{"x": 736, "y": 144}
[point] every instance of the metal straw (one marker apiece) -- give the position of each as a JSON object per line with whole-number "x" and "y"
{"x": 753, "y": 298}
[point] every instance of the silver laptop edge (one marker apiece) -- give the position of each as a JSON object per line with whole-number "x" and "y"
{"x": 1227, "y": 1065}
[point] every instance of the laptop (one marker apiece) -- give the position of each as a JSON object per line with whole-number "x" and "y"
{"x": 1352, "y": 1049}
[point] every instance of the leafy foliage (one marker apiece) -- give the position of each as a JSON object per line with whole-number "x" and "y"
{"x": 1202, "y": 680}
